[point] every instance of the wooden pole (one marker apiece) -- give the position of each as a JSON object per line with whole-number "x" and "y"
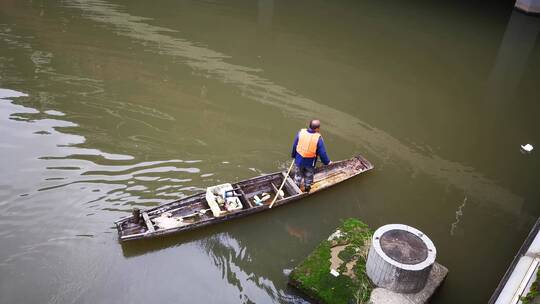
{"x": 282, "y": 184}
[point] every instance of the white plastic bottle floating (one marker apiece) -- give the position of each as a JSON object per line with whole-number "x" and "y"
{"x": 527, "y": 148}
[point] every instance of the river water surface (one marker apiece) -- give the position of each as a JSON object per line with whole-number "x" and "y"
{"x": 106, "y": 105}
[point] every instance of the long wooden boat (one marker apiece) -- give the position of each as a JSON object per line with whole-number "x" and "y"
{"x": 201, "y": 210}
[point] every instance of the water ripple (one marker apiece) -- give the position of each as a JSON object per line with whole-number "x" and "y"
{"x": 59, "y": 161}
{"x": 234, "y": 261}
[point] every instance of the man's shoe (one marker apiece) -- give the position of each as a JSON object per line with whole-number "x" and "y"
{"x": 307, "y": 189}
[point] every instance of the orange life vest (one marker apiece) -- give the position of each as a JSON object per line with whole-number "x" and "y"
{"x": 307, "y": 143}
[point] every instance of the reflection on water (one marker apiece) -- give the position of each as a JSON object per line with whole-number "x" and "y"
{"x": 516, "y": 47}
{"x": 265, "y": 14}
{"x": 66, "y": 163}
{"x": 237, "y": 268}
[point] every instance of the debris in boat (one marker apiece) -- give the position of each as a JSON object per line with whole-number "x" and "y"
{"x": 203, "y": 211}
{"x": 265, "y": 197}
{"x": 527, "y": 147}
{"x": 259, "y": 201}
{"x": 222, "y": 196}
{"x": 167, "y": 221}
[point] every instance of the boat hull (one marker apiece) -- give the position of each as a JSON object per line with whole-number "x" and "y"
{"x": 190, "y": 211}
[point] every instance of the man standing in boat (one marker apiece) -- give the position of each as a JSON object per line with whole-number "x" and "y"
{"x": 308, "y": 145}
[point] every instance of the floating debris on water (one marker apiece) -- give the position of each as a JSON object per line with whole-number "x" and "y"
{"x": 527, "y": 148}
{"x": 459, "y": 213}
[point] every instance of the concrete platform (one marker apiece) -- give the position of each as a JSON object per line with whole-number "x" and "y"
{"x": 528, "y": 6}
{"x": 521, "y": 274}
{"x": 436, "y": 277}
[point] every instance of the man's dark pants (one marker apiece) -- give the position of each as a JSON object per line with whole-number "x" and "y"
{"x": 306, "y": 173}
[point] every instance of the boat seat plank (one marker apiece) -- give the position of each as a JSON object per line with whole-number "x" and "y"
{"x": 149, "y": 224}
{"x": 244, "y": 197}
{"x": 276, "y": 190}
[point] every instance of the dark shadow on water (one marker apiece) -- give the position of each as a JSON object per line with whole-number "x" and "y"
{"x": 143, "y": 246}
{"x": 239, "y": 256}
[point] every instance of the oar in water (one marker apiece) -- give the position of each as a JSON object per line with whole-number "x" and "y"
{"x": 282, "y": 184}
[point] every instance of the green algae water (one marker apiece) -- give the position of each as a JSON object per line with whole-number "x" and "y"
{"x": 106, "y": 105}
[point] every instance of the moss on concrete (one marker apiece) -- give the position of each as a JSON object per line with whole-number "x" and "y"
{"x": 313, "y": 275}
{"x": 533, "y": 296}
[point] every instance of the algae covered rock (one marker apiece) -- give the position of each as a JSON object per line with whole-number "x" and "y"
{"x": 335, "y": 272}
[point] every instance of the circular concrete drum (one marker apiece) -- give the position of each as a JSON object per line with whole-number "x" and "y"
{"x": 400, "y": 258}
